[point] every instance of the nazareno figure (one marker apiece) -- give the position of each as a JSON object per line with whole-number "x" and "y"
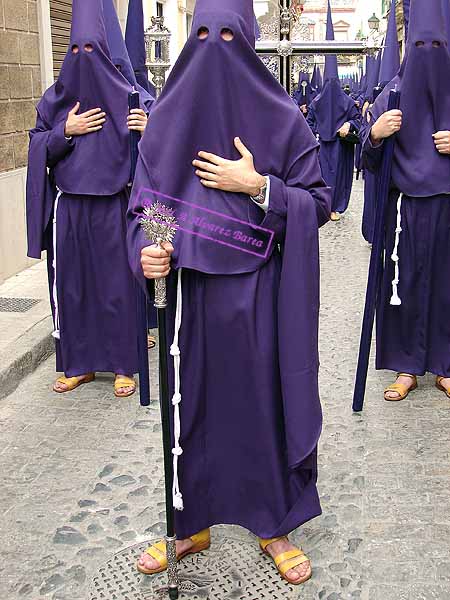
{"x": 242, "y": 329}
{"x": 77, "y": 198}
{"x": 332, "y": 116}
{"x": 412, "y": 331}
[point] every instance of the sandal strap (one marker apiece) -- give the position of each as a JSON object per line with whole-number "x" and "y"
{"x": 124, "y": 382}
{"x": 158, "y": 551}
{"x": 292, "y": 563}
{"x": 288, "y": 556}
{"x": 264, "y": 543}
{"x": 398, "y": 388}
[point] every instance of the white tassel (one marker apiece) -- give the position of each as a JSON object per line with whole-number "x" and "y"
{"x": 177, "y": 451}
{"x": 56, "y": 332}
{"x": 395, "y": 299}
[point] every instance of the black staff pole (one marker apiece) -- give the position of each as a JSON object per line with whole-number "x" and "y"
{"x": 376, "y": 264}
{"x": 141, "y": 299}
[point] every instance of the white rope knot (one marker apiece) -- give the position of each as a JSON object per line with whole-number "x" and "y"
{"x": 56, "y": 334}
{"x": 177, "y": 451}
{"x": 178, "y": 501}
{"x": 175, "y": 350}
{"x": 395, "y": 298}
{"x": 176, "y": 399}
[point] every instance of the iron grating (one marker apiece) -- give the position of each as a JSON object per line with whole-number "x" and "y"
{"x": 18, "y": 305}
{"x": 232, "y": 569}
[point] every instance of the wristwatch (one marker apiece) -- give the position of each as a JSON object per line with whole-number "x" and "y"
{"x": 261, "y": 197}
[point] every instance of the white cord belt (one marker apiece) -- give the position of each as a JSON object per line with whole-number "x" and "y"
{"x": 395, "y": 299}
{"x": 176, "y": 400}
{"x": 56, "y": 331}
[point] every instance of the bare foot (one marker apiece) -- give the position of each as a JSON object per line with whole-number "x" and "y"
{"x": 406, "y": 381}
{"x": 445, "y": 383}
{"x": 151, "y": 564}
{"x": 285, "y": 545}
{"x": 335, "y": 216}
{"x": 62, "y": 387}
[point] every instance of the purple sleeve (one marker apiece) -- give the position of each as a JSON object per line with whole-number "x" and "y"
{"x": 311, "y": 120}
{"x": 305, "y": 176}
{"x": 58, "y": 146}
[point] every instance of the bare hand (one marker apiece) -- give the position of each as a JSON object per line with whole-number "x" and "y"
{"x": 344, "y": 130}
{"x": 304, "y": 109}
{"x": 442, "y": 142}
{"x": 155, "y": 260}
{"x": 389, "y": 123}
{"x": 88, "y": 122}
{"x": 237, "y": 176}
{"x": 137, "y": 120}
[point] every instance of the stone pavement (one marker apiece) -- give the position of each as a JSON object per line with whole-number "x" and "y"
{"x": 25, "y": 325}
{"x": 81, "y": 475}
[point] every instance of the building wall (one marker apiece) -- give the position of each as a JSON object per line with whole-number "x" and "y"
{"x": 20, "y": 88}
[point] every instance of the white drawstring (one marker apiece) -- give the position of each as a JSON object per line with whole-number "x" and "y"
{"x": 56, "y": 333}
{"x": 395, "y": 299}
{"x": 176, "y": 400}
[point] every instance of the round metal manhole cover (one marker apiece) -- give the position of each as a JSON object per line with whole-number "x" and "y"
{"x": 233, "y": 568}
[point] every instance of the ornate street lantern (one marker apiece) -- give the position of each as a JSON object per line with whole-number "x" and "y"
{"x": 374, "y": 23}
{"x": 157, "y": 39}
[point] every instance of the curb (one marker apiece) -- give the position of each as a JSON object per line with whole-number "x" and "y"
{"x": 24, "y": 355}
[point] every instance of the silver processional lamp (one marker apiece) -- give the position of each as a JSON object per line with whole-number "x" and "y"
{"x": 157, "y": 41}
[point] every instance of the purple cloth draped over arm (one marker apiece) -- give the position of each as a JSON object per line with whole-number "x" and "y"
{"x": 297, "y": 210}
{"x": 47, "y": 147}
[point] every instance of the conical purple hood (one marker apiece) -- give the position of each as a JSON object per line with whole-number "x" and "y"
{"x": 119, "y": 52}
{"x": 242, "y": 9}
{"x": 418, "y": 169}
{"x": 116, "y": 43}
{"x": 135, "y": 43}
{"x": 390, "y": 61}
{"x": 99, "y": 163}
{"x": 373, "y": 71}
{"x": 216, "y": 82}
{"x": 331, "y": 64}
{"x": 446, "y": 11}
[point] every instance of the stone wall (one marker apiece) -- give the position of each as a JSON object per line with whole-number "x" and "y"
{"x": 20, "y": 79}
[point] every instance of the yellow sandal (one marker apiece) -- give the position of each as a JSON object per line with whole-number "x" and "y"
{"x": 399, "y": 388}
{"x": 287, "y": 560}
{"x": 72, "y": 383}
{"x": 441, "y": 387}
{"x": 202, "y": 541}
{"x": 124, "y": 382}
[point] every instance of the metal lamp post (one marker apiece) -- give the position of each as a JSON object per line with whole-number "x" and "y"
{"x": 157, "y": 39}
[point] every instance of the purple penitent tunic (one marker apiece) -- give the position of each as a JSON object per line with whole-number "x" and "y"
{"x": 250, "y": 409}
{"x": 414, "y": 336}
{"x": 77, "y": 210}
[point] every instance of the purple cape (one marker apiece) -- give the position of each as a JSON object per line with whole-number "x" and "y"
{"x": 218, "y": 81}
{"x": 418, "y": 169}
{"x": 92, "y": 79}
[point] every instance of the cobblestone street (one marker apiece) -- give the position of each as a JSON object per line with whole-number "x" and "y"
{"x": 81, "y": 474}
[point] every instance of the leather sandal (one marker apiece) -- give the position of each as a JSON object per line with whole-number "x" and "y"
{"x": 124, "y": 382}
{"x": 72, "y": 383}
{"x": 286, "y": 561}
{"x": 441, "y": 387}
{"x": 158, "y": 551}
{"x": 402, "y": 390}
{"x": 335, "y": 216}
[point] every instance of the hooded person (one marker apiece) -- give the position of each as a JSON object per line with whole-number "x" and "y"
{"x": 135, "y": 43}
{"x": 244, "y": 327}
{"x": 332, "y": 116}
{"x": 77, "y": 197}
{"x": 304, "y": 93}
{"x": 389, "y": 67}
{"x": 412, "y": 333}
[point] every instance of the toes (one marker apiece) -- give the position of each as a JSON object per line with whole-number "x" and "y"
{"x": 293, "y": 575}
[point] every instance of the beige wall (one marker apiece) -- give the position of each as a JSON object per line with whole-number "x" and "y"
{"x": 20, "y": 88}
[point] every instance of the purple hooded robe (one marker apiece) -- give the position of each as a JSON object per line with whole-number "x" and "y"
{"x": 331, "y": 109}
{"x": 250, "y": 409}
{"x": 414, "y": 336}
{"x": 85, "y": 194}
